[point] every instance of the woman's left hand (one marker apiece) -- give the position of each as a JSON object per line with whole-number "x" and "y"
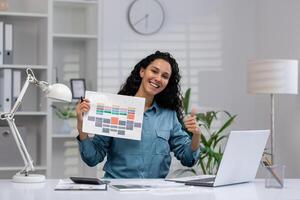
{"x": 191, "y": 124}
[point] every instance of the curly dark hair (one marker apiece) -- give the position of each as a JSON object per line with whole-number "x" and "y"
{"x": 170, "y": 97}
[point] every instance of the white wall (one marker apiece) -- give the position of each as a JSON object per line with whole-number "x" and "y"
{"x": 194, "y": 38}
{"x": 279, "y": 37}
{"x": 259, "y": 29}
{"x": 249, "y": 29}
{"x": 228, "y": 89}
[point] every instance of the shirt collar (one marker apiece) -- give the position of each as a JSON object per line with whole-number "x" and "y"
{"x": 154, "y": 107}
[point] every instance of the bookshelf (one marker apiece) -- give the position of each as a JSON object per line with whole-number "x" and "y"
{"x": 29, "y": 20}
{"x": 74, "y": 53}
{"x": 58, "y": 39}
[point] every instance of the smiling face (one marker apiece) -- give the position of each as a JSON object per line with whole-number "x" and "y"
{"x": 155, "y": 78}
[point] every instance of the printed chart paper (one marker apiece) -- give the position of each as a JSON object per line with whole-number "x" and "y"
{"x": 114, "y": 115}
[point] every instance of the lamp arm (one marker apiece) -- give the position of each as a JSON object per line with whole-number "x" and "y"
{"x": 9, "y": 117}
{"x": 21, "y": 146}
{"x": 63, "y": 94}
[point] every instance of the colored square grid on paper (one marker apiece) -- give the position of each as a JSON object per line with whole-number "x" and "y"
{"x": 115, "y": 119}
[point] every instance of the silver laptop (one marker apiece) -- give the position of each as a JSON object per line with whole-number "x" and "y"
{"x": 240, "y": 160}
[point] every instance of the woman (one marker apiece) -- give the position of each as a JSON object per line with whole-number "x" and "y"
{"x": 155, "y": 78}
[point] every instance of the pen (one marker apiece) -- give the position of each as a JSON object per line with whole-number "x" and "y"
{"x": 81, "y": 99}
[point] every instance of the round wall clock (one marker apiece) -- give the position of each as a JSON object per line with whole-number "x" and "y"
{"x": 146, "y": 17}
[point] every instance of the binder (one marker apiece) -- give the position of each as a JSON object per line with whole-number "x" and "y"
{"x": 16, "y": 85}
{"x": 5, "y": 90}
{"x": 1, "y": 91}
{"x": 8, "y": 44}
{"x": 1, "y": 41}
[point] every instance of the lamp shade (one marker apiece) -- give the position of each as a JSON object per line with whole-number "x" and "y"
{"x": 273, "y": 76}
{"x": 60, "y": 92}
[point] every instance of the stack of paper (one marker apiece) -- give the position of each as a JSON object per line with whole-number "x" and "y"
{"x": 67, "y": 184}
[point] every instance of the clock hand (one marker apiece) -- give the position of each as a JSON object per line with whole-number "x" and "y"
{"x": 143, "y": 18}
{"x": 146, "y": 22}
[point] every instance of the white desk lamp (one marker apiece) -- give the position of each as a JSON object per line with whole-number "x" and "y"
{"x": 273, "y": 77}
{"x": 56, "y": 91}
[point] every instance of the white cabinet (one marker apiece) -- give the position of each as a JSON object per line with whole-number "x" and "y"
{"x": 75, "y": 18}
{"x": 74, "y": 53}
{"x": 29, "y": 20}
{"x": 58, "y": 39}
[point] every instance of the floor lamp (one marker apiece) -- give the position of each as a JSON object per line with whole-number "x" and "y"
{"x": 56, "y": 91}
{"x": 273, "y": 77}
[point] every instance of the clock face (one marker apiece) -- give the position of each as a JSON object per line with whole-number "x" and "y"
{"x": 146, "y": 17}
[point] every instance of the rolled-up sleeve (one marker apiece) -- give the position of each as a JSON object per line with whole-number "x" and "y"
{"x": 93, "y": 150}
{"x": 180, "y": 143}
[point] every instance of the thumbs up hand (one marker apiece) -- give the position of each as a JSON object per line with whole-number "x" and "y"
{"x": 191, "y": 124}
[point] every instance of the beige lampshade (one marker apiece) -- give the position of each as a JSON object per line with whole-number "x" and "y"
{"x": 273, "y": 77}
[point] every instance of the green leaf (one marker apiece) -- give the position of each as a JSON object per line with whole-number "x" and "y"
{"x": 227, "y": 113}
{"x": 59, "y": 115}
{"x": 186, "y": 101}
{"x": 202, "y": 166}
{"x": 210, "y": 116}
{"x": 209, "y": 161}
{"x": 66, "y": 112}
{"x": 203, "y": 140}
{"x": 201, "y": 117}
{"x": 227, "y": 123}
{"x": 219, "y": 139}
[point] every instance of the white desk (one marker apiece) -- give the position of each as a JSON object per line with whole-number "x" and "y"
{"x": 247, "y": 191}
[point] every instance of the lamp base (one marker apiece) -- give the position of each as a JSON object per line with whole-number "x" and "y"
{"x": 30, "y": 178}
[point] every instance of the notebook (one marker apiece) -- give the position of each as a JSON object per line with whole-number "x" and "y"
{"x": 240, "y": 160}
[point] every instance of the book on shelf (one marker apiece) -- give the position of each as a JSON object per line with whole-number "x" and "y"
{"x": 5, "y": 90}
{"x": 8, "y": 44}
{"x": 1, "y": 41}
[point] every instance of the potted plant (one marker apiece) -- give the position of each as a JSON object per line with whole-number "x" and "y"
{"x": 211, "y": 137}
{"x": 67, "y": 114}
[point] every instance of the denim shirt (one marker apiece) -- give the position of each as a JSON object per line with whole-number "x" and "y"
{"x": 148, "y": 158}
